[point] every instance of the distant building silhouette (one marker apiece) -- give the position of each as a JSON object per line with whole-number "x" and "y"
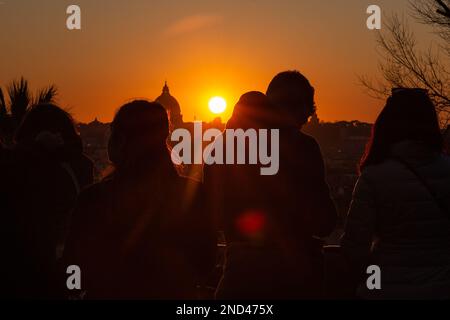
{"x": 96, "y": 134}
{"x": 171, "y": 105}
{"x": 95, "y": 137}
{"x": 342, "y": 145}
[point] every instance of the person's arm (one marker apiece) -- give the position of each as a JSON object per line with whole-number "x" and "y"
{"x": 323, "y": 211}
{"x": 360, "y": 227}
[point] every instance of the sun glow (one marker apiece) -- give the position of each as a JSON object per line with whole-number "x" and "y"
{"x": 217, "y": 105}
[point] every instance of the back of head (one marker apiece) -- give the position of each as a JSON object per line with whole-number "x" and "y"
{"x": 409, "y": 115}
{"x": 253, "y": 110}
{"x": 138, "y": 138}
{"x": 50, "y": 125}
{"x": 293, "y": 95}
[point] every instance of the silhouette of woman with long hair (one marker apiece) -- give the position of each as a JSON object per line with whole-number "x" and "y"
{"x": 41, "y": 177}
{"x": 142, "y": 232}
{"x": 399, "y": 218}
{"x": 265, "y": 219}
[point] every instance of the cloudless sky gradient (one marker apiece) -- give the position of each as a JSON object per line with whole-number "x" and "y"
{"x": 203, "y": 48}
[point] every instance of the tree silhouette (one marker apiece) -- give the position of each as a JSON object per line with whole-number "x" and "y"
{"x": 20, "y": 100}
{"x": 436, "y": 14}
{"x": 404, "y": 65}
{"x": 19, "y": 97}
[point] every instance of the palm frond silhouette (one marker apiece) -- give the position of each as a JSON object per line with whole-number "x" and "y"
{"x": 17, "y": 100}
{"x": 21, "y": 99}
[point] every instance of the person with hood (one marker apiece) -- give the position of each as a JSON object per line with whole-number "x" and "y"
{"x": 399, "y": 219}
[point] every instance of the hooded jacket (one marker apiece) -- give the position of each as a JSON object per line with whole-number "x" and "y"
{"x": 394, "y": 222}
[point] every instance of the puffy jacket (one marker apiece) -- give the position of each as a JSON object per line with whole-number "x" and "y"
{"x": 394, "y": 222}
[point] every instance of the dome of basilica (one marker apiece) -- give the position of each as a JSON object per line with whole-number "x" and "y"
{"x": 171, "y": 105}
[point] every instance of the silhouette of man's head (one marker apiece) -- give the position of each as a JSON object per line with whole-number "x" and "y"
{"x": 252, "y": 111}
{"x": 409, "y": 114}
{"x": 293, "y": 96}
{"x": 139, "y": 131}
{"x": 49, "y": 124}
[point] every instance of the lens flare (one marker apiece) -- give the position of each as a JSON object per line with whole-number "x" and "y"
{"x": 251, "y": 223}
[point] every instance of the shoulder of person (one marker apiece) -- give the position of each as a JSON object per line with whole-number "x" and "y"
{"x": 308, "y": 141}
{"x": 189, "y": 183}
{"x": 7, "y": 157}
{"x": 95, "y": 192}
{"x": 445, "y": 159}
{"x": 26, "y": 161}
{"x": 387, "y": 169}
{"x": 190, "y": 193}
{"x": 84, "y": 160}
{"x": 87, "y": 160}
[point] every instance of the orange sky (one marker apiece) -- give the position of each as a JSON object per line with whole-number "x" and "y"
{"x": 203, "y": 48}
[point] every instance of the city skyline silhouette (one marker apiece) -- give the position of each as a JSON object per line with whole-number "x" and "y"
{"x": 127, "y": 50}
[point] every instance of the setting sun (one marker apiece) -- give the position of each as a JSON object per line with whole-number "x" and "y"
{"x": 217, "y": 105}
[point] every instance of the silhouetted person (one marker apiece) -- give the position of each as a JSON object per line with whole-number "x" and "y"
{"x": 399, "y": 218}
{"x": 302, "y": 165}
{"x": 40, "y": 180}
{"x": 268, "y": 221}
{"x": 141, "y": 233}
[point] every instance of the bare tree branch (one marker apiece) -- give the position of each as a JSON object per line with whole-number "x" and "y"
{"x": 404, "y": 65}
{"x": 435, "y": 13}
{"x": 444, "y": 10}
